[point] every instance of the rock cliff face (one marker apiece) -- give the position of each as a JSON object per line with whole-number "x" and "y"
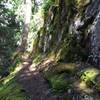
{"x": 71, "y": 31}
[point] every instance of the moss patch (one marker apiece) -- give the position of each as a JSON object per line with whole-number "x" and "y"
{"x": 61, "y": 67}
{"x": 11, "y": 91}
{"x": 82, "y": 3}
{"x": 89, "y": 74}
{"x": 59, "y": 82}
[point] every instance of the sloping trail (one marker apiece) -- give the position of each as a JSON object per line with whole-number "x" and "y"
{"x": 33, "y": 83}
{"x": 37, "y": 88}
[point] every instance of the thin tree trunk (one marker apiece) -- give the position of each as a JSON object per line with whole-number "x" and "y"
{"x": 26, "y": 26}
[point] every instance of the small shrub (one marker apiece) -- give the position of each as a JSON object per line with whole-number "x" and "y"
{"x": 59, "y": 83}
{"x": 89, "y": 74}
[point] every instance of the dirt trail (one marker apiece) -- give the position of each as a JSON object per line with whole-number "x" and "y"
{"x": 37, "y": 88}
{"x": 34, "y": 84}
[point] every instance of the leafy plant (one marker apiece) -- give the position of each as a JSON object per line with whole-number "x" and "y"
{"x": 58, "y": 81}
{"x": 89, "y": 74}
{"x": 47, "y": 4}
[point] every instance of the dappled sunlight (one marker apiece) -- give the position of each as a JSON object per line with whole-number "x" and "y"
{"x": 25, "y": 63}
{"x": 28, "y": 70}
{"x": 25, "y": 55}
{"x": 7, "y": 79}
{"x": 49, "y": 50}
{"x": 49, "y": 60}
{"x": 89, "y": 74}
{"x": 17, "y": 69}
{"x": 12, "y": 74}
{"x": 32, "y": 67}
{"x": 65, "y": 67}
{"x": 86, "y": 82}
{"x": 82, "y": 86}
{"x": 52, "y": 56}
{"x": 10, "y": 89}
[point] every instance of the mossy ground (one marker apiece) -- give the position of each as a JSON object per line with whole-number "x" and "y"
{"x": 10, "y": 89}
{"x": 58, "y": 79}
{"x": 89, "y": 76}
{"x": 62, "y": 78}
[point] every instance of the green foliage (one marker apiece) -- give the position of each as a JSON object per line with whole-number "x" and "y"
{"x": 82, "y": 3}
{"x": 8, "y": 44}
{"x": 48, "y": 75}
{"x": 89, "y": 74}
{"x": 11, "y": 91}
{"x": 69, "y": 48}
{"x": 97, "y": 86}
{"x": 58, "y": 82}
{"x": 10, "y": 30}
{"x": 70, "y": 3}
{"x": 16, "y": 63}
{"x": 47, "y": 4}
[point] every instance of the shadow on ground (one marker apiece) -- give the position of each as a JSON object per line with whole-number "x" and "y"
{"x": 34, "y": 84}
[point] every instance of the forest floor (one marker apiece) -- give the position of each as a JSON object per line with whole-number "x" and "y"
{"x": 37, "y": 88}
{"x": 33, "y": 83}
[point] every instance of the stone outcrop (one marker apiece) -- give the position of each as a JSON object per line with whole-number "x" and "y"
{"x": 73, "y": 32}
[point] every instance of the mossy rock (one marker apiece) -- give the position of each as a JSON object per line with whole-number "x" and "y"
{"x": 68, "y": 68}
{"x": 89, "y": 74}
{"x": 65, "y": 67}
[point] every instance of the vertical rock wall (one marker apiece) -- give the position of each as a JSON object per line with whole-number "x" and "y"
{"x": 72, "y": 31}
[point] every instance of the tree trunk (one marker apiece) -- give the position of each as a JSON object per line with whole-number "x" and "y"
{"x": 27, "y": 19}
